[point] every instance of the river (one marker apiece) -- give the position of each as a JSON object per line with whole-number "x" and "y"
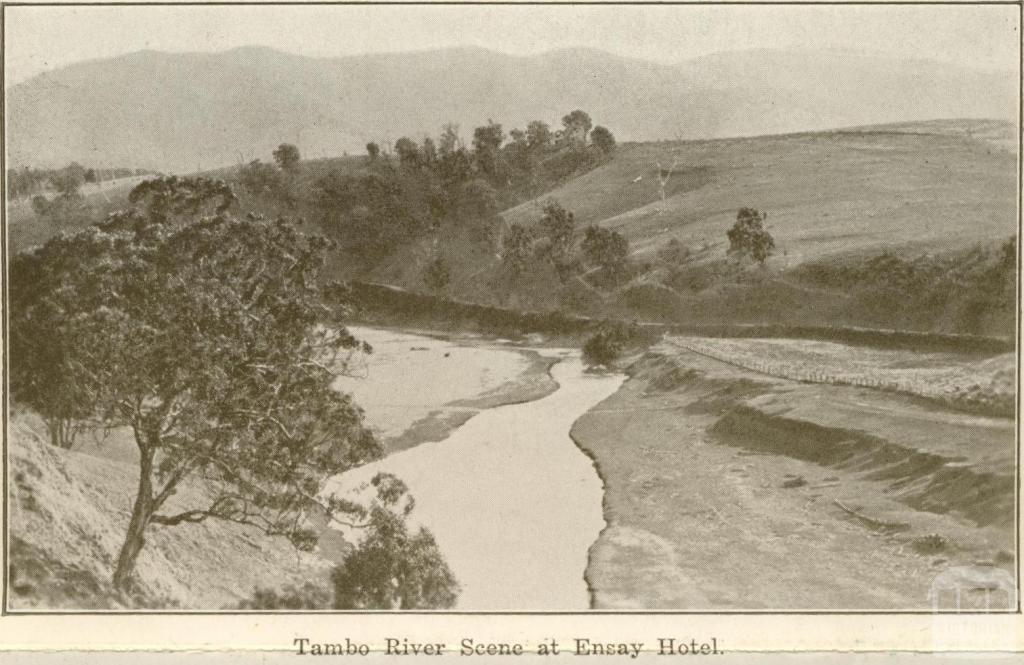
{"x": 513, "y": 503}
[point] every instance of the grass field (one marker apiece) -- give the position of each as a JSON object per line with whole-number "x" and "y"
{"x": 936, "y": 185}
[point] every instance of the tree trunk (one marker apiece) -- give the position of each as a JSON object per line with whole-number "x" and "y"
{"x": 53, "y": 425}
{"x": 142, "y": 511}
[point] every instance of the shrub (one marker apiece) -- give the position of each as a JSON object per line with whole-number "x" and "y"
{"x": 933, "y": 543}
{"x": 605, "y": 347}
{"x": 605, "y": 249}
{"x": 309, "y": 596}
{"x": 394, "y": 570}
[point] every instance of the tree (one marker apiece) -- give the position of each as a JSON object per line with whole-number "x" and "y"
{"x": 45, "y": 374}
{"x": 748, "y": 237}
{"x": 210, "y": 339}
{"x": 477, "y": 202}
{"x": 538, "y": 135}
{"x": 392, "y": 568}
{"x": 67, "y": 182}
{"x": 450, "y": 140}
{"x": 372, "y": 213}
{"x": 487, "y": 141}
{"x": 287, "y": 157}
{"x": 664, "y": 175}
{"x": 408, "y": 152}
{"x": 429, "y": 151}
{"x": 603, "y": 139}
{"x": 437, "y": 275}
{"x": 559, "y": 226}
{"x": 517, "y": 248}
{"x": 605, "y": 248}
{"x": 372, "y": 150}
{"x": 577, "y": 125}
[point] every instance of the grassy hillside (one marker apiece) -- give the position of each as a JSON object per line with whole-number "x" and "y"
{"x": 893, "y": 226}
{"x": 890, "y": 226}
{"x": 934, "y": 185}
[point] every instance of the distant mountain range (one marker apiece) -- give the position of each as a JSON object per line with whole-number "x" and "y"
{"x": 185, "y": 111}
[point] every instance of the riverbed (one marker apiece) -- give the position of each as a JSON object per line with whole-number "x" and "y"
{"x": 513, "y": 503}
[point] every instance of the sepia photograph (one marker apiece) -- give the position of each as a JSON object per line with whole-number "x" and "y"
{"x": 511, "y": 308}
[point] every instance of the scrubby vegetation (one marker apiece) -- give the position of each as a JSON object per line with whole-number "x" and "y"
{"x": 605, "y": 346}
{"x": 308, "y": 596}
{"x": 968, "y": 290}
{"x": 26, "y": 182}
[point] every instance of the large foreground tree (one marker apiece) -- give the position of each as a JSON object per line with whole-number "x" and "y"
{"x": 212, "y": 340}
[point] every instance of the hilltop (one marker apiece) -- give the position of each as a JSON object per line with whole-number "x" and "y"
{"x": 181, "y": 112}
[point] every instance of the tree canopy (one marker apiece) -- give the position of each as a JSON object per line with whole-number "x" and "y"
{"x": 748, "y": 237}
{"x": 287, "y": 157}
{"x": 392, "y": 568}
{"x": 603, "y": 139}
{"x": 605, "y": 248}
{"x": 209, "y": 338}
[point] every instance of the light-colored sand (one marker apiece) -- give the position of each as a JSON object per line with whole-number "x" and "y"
{"x": 513, "y": 503}
{"x": 702, "y": 519}
{"x": 407, "y": 377}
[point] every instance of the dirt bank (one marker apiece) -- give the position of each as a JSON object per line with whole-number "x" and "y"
{"x": 69, "y": 511}
{"x": 726, "y": 489}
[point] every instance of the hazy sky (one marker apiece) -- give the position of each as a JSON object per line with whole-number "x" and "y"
{"x": 42, "y": 38}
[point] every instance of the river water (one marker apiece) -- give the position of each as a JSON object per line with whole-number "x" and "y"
{"x": 513, "y": 503}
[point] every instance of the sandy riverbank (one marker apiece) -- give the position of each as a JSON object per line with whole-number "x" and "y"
{"x": 416, "y": 388}
{"x": 730, "y": 490}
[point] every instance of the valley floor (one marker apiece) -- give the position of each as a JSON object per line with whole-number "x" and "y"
{"x": 729, "y": 489}
{"x": 724, "y": 488}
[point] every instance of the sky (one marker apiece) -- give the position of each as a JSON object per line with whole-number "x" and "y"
{"x": 38, "y": 39}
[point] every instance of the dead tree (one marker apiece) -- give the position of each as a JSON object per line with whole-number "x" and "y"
{"x": 663, "y": 177}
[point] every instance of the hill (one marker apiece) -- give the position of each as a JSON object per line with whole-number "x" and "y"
{"x": 903, "y": 225}
{"x": 934, "y": 185}
{"x": 193, "y": 111}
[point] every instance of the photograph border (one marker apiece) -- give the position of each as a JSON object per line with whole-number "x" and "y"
{"x": 6, "y": 611}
